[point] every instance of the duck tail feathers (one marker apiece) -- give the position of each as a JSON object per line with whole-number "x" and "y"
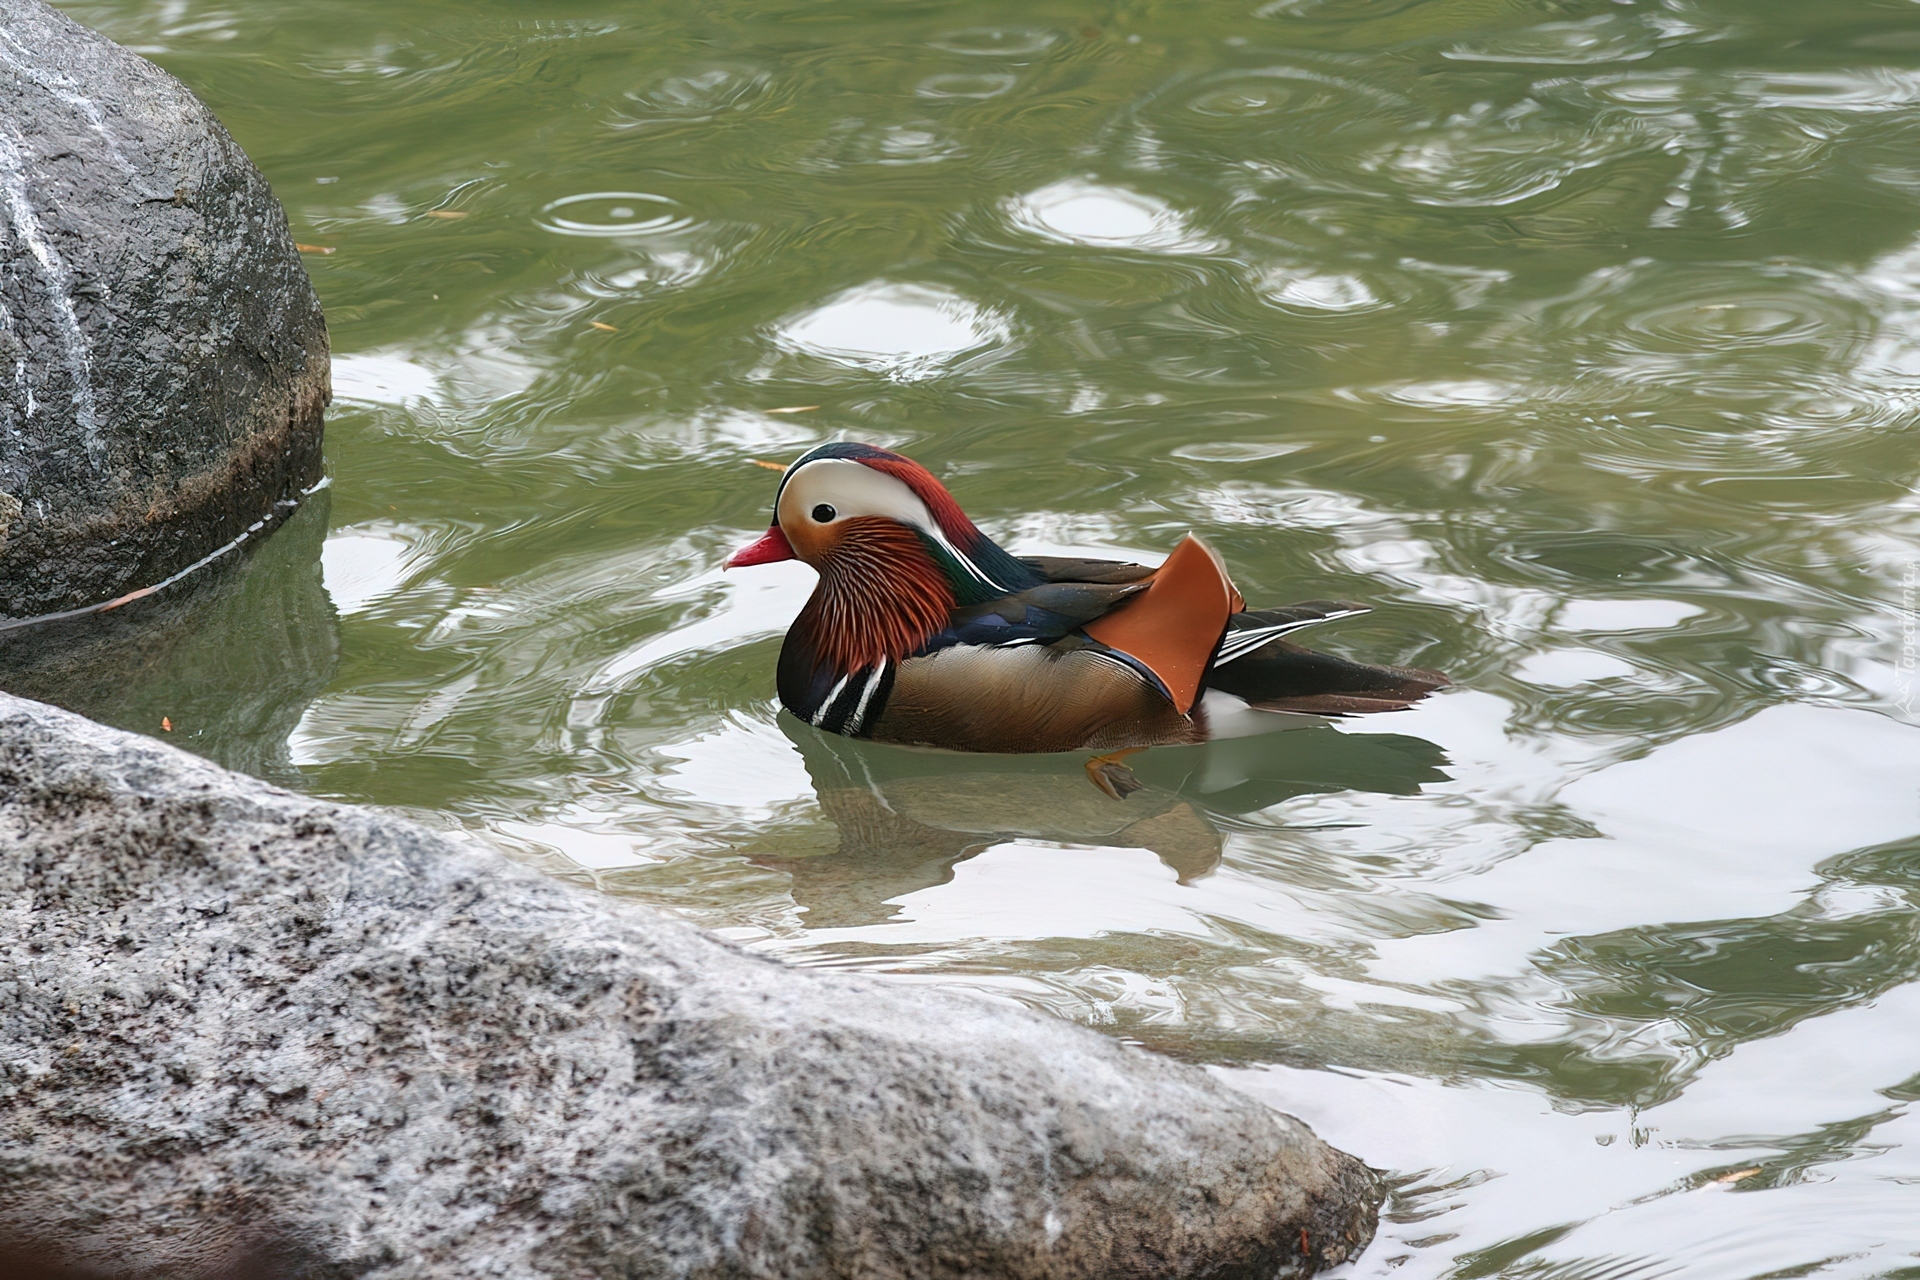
{"x": 1249, "y": 631}
{"x": 1278, "y": 676}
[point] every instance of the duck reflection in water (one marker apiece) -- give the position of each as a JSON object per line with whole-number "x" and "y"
{"x": 906, "y": 816}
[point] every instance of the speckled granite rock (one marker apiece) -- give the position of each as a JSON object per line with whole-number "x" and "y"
{"x": 163, "y": 359}
{"x": 240, "y": 1024}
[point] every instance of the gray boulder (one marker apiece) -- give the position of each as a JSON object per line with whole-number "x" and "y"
{"x": 163, "y": 359}
{"x": 247, "y": 1032}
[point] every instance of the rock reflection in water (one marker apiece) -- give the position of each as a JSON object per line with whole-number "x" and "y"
{"x": 906, "y": 817}
{"x": 230, "y": 657}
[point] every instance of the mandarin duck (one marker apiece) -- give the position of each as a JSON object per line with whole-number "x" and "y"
{"x": 923, "y": 631}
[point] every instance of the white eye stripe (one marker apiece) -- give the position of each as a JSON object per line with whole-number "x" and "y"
{"x": 851, "y": 489}
{"x": 855, "y": 489}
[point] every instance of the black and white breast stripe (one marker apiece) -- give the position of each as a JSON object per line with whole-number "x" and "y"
{"x": 855, "y": 701}
{"x": 1239, "y": 644}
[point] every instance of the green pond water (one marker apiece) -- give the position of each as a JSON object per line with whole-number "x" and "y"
{"x": 1582, "y": 339}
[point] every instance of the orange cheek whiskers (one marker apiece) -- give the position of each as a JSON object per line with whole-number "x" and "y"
{"x": 880, "y": 597}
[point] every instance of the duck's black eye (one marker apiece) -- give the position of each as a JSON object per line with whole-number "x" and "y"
{"x": 824, "y": 514}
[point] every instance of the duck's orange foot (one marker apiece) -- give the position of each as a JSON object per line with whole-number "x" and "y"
{"x": 1107, "y": 773}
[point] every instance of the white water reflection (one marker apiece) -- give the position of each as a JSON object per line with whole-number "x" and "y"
{"x": 1727, "y": 825}
{"x": 592, "y": 841}
{"x": 740, "y": 765}
{"x": 1015, "y": 890}
{"x": 1105, "y": 217}
{"x": 760, "y": 603}
{"x": 1448, "y": 393}
{"x": 1625, "y": 615}
{"x": 383, "y": 377}
{"x": 474, "y": 367}
{"x": 1727, "y": 1176}
{"x": 906, "y": 330}
{"x": 1567, "y": 668}
{"x": 696, "y": 94}
{"x": 1298, "y": 290}
{"x": 365, "y": 563}
{"x": 1767, "y": 786}
{"x": 1575, "y": 1166}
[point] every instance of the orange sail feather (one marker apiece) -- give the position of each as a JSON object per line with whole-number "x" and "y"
{"x": 1174, "y": 626}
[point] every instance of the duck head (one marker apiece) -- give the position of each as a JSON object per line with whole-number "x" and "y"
{"x": 894, "y": 551}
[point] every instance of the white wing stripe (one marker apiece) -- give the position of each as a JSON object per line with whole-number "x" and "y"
{"x": 858, "y": 720}
{"x": 1240, "y": 643}
{"x": 826, "y": 704}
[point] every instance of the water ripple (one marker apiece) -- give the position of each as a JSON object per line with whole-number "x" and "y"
{"x": 1759, "y": 332}
{"x": 614, "y": 213}
{"x": 982, "y": 85}
{"x": 1312, "y": 99}
{"x": 1611, "y": 37}
{"x": 696, "y": 95}
{"x": 999, "y": 42}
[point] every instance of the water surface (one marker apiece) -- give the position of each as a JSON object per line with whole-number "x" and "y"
{"x": 1579, "y": 337}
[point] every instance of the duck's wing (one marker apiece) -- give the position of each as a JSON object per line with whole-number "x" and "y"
{"x": 1074, "y": 592}
{"x": 1164, "y": 622}
{"x": 1072, "y": 569}
{"x": 1038, "y": 615}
